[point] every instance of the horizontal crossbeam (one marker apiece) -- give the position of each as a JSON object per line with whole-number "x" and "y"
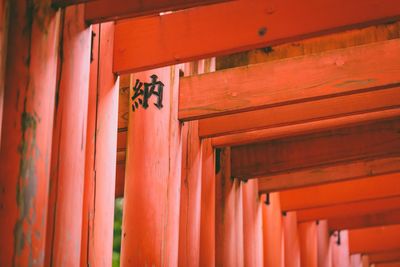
{"x": 365, "y": 221}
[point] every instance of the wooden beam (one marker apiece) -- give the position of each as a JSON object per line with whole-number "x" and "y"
{"x": 383, "y": 186}
{"x": 64, "y": 3}
{"x": 263, "y": 85}
{"x": 329, "y": 174}
{"x": 375, "y": 239}
{"x": 386, "y": 256}
{"x": 369, "y": 220}
{"x": 179, "y": 37}
{"x": 364, "y": 207}
{"x": 106, "y": 10}
{"x": 375, "y": 140}
{"x": 269, "y": 118}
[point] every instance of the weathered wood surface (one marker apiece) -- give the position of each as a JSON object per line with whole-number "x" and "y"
{"x": 239, "y": 25}
{"x": 376, "y": 140}
{"x": 300, "y": 79}
{"x": 106, "y": 10}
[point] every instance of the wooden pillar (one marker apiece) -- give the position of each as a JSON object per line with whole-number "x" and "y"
{"x": 308, "y": 244}
{"x": 150, "y": 228}
{"x": 291, "y": 236}
{"x": 4, "y": 16}
{"x": 207, "y": 219}
{"x": 324, "y": 244}
{"x": 273, "y": 231}
{"x": 340, "y": 250}
{"x": 64, "y": 220}
{"x": 30, "y": 86}
{"x": 356, "y": 260}
{"x": 252, "y": 225}
{"x": 100, "y": 164}
{"x": 228, "y": 214}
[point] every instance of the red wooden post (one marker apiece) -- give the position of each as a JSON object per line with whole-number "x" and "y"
{"x": 30, "y": 86}
{"x": 291, "y": 237}
{"x": 252, "y": 225}
{"x": 4, "y": 13}
{"x": 152, "y": 178}
{"x": 272, "y": 231}
{"x": 340, "y": 250}
{"x": 324, "y": 244}
{"x": 99, "y": 195}
{"x": 64, "y": 222}
{"x": 308, "y": 244}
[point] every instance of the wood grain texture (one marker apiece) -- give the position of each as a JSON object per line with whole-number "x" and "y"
{"x": 295, "y": 80}
{"x": 234, "y": 26}
{"x": 334, "y": 147}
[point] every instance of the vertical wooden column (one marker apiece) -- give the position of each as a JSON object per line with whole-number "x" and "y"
{"x": 150, "y": 228}
{"x": 252, "y": 225}
{"x": 101, "y": 153}
{"x": 228, "y": 214}
{"x": 64, "y": 221}
{"x": 273, "y": 231}
{"x": 308, "y": 244}
{"x": 356, "y": 260}
{"x": 4, "y": 15}
{"x": 324, "y": 244}
{"x": 340, "y": 252}
{"x": 207, "y": 219}
{"x": 291, "y": 236}
{"x": 30, "y": 85}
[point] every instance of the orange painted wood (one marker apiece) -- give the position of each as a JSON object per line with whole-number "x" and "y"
{"x": 324, "y": 244}
{"x": 273, "y": 235}
{"x": 303, "y": 128}
{"x": 389, "y": 264}
{"x": 383, "y": 186}
{"x": 101, "y": 162}
{"x": 329, "y": 174}
{"x": 4, "y": 18}
{"x": 237, "y": 26}
{"x": 308, "y": 244}
{"x": 376, "y": 140}
{"x": 361, "y": 208}
{"x": 67, "y": 175}
{"x": 106, "y": 10}
{"x": 375, "y": 239}
{"x": 153, "y": 179}
{"x": 29, "y": 93}
{"x": 291, "y": 238}
{"x": 252, "y": 225}
{"x": 340, "y": 252}
{"x": 369, "y": 220}
{"x": 342, "y": 71}
{"x": 296, "y": 113}
{"x": 228, "y": 215}
{"x": 386, "y": 256}
{"x": 63, "y": 3}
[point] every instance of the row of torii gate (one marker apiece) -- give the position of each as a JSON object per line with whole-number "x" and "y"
{"x": 286, "y": 154}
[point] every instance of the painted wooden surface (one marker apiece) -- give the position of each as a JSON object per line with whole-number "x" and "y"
{"x": 324, "y": 175}
{"x": 340, "y": 251}
{"x": 375, "y": 140}
{"x": 324, "y": 244}
{"x": 369, "y": 220}
{"x": 63, "y": 3}
{"x": 67, "y": 173}
{"x": 291, "y": 238}
{"x": 342, "y": 192}
{"x": 263, "y": 85}
{"x": 29, "y": 93}
{"x": 4, "y": 17}
{"x": 106, "y": 10}
{"x": 308, "y": 244}
{"x": 374, "y": 239}
{"x": 240, "y": 26}
{"x": 387, "y": 256}
{"x": 350, "y": 209}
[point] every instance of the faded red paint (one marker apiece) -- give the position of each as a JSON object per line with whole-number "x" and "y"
{"x": 291, "y": 235}
{"x": 308, "y": 244}
{"x": 340, "y": 252}
{"x": 324, "y": 244}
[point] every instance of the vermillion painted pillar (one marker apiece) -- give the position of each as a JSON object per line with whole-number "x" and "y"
{"x": 340, "y": 252}
{"x": 228, "y": 214}
{"x": 291, "y": 236}
{"x": 64, "y": 224}
{"x": 150, "y": 228}
{"x": 308, "y": 244}
{"x": 101, "y": 153}
{"x": 324, "y": 244}
{"x": 252, "y": 225}
{"x": 30, "y": 85}
{"x": 207, "y": 219}
{"x": 356, "y": 260}
{"x": 273, "y": 231}
{"x": 4, "y": 15}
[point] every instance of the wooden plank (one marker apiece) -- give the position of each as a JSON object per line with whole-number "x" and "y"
{"x": 383, "y": 186}
{"x": 263, "y": 85}
{"x": 106, "y": 10}
{"x": 178, "y": 37}
{"x": 329, "y": 174}
{"x": 370, "y": 220}
{"x": 363, "y": 102}
{"x": 364, "y": 207}
{"x": 375, "y": 239}
{"x": 375, "y": 140}
{"x": 386, "y": 256}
